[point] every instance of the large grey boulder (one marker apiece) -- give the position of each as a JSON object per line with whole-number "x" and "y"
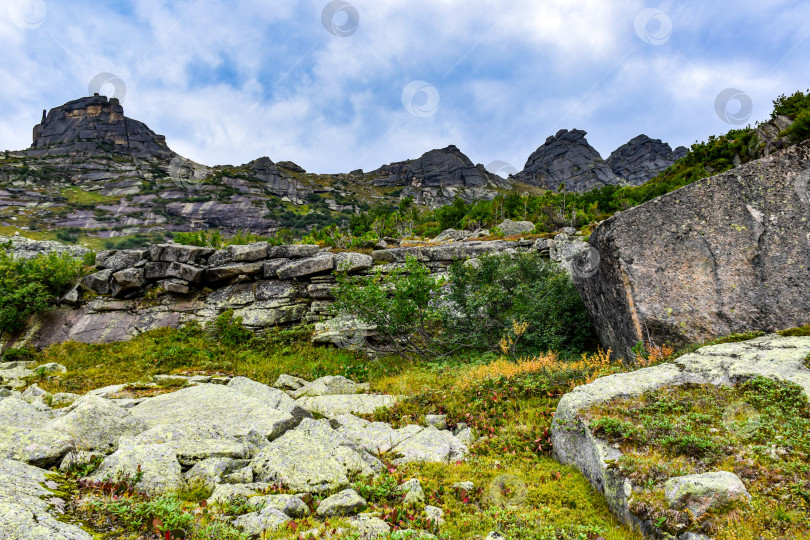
{"x": 256, "y": 523}
{"x": 38, "y": 446}
{"x": 24, "y": 506}
{"x": 21, "y": 414}
{"x": 116, "y": 260}
{"x": 157, "y": 463}
{"x": 208, "y": 473}
{"x": 313, "y": 458}
{"x": 722, "y": 255}
{"x": 95, "y": 424}
{"x": 236, "y": 413}
{"x": 98, "y": 282}
{"x": 290, "y": 505}
{"x": 775, "y": 357}
{"x": 292, "y": 251}
{"x": 330, "y": 385}
{"x": 430, "y": 445}
{"x": 374, "y": 437}
{"x": 352, "y": 262}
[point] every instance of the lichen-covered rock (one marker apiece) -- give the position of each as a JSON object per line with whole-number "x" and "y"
{"x": 21, "y": 414}
{"x": 772, "y": 356}
{"x": 700, "y": 493}
{"x": 290, "y": 505}
{"x": 256, "y": 523}
{"x": 352, "y": 262}
{"x": 292, "y": 251}
{"x": 323, "y": 262}
{"x": 273, "y": 397}
{"x": 208, "y": 473}
{"x": 430, "y": 445}
{"x": 439, "y": 421}
{"x": 116, "y": 260}
{"x": 38, "y": 446}
{"x": 331, "y": 385}
{"x": 161, "y": 472}
{"x": 76, "y": 458}
{"x": 435, "y": 514}
{"x": 332, "y": 406}
{"x": 414, "y": 494}
{"x": 24, "y": 508}
{"x": 95, "y": 424}
{"x": 374, "y": 437}
{"x": 345, "y": 503}
{"x": 313, "y": 458}
{"x": 225, "y": 493}
{"x": 288, "y": 382}
{"x": 236, "y": 413}
{"x": 369, "y": 527}
{"x": 512, "y": 228}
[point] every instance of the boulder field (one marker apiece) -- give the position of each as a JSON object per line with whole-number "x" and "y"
{"x": 234, "y": 436}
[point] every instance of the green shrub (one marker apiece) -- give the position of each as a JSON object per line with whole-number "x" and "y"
{"x": 791, "y": 106}
{"x": 800, "y": 130}
{"x": 488, "y": 298}
{"x": 29, "y": 287}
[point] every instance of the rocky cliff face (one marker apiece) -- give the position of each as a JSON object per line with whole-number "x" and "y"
{"x": 642, "y": 159}
{"x": 723, "y": 255}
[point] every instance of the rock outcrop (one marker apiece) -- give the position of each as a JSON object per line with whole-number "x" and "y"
{"x": 642, "y": 159}
{"x": 567, "y": 158}
{"x": 266, "y": 285}
{"x": 725, "y": 254}
{"x": 447, "y": 167}
{"x": 575, "y": 444}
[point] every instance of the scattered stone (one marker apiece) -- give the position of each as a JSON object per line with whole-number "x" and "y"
{"x": 288, "y": 382}
{"x": 38, "y": 446}
{"x": 332, "y": 406}
{"x": 332, "y": 385}
{"x": 439, "y": 421}
{"x": 466, "y": 486}
{"x": 291, "y": 505}
{"x": 272, "y": 397}
{"x": 208, "y": 473}
{"x": 430, "y": 445}
{"x": 51, "y": 368}
{"x": 95, "y": 424}
{"x": 345, "y": 503}
{"x": 494, "y": 536}
{"x": 369, "y": 527}
{"x": 76, "y": 458}
{"x": 700, "y": 493}
{"x": 513, "y": 228}
{"x": 225, "y": 493}
{"x": 350, "y": 262}
{"x": 323, "y": 262}
{"x": 63, "y": 399}
{"x": 414, "y": 494}
{"x": 239, "y": 476}
{"x": 292, "y": 251}
{"x": 256, "y": 523}
{"x": 34, "y": 393}
{"x": 435, "y": 515}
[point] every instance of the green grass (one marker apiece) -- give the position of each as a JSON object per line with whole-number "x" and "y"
{"x": 759, "y": 430}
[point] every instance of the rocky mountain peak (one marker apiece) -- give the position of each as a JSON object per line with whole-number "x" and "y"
{"x": 643, "y": 158}
{"x": 93, "y": 125}
{"x": 446, "y": 167}
{"x": 567, "y": 158}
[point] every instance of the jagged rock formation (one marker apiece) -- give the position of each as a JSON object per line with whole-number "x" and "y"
{"x": 438, "y": 177}
{"x": 567, "y": 158}
{"x": 722, "y": 255}
{"x": 267, "y": 286}
{"x": 642, "y": 159}
{"x": 575, "y": 444}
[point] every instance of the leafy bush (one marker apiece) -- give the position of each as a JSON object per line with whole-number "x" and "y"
{"x": 488, "y": 298}
{"x": 29, "y": 287}
{"x": 521, "y": 303}
{"x": 800, "y": 130}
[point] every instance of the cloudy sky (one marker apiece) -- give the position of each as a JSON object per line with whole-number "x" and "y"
{"x": 336, "y": 86}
